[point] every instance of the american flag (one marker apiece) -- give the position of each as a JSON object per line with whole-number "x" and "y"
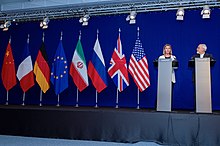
{"x": 138, "y": 66}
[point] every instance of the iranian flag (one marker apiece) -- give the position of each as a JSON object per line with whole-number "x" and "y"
{"x": 78, "y": 69}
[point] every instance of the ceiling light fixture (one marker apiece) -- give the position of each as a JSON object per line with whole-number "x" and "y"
{"x": 131, "y": 17}
{"x": 206, "y": 12}
{"x": 84, "y": 20}
{"x": 180, "y": 14}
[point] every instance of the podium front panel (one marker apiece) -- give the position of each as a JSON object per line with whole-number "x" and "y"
{"x": 203, "y": 85}
{"x": 164, "y": 85}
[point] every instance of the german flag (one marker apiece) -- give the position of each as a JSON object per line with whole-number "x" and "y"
{"x": 42, "y": 70}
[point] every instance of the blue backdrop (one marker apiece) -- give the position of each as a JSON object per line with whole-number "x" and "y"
{"x": 156, "y": 29}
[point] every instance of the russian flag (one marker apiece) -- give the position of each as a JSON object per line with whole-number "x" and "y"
{"x": 25, "y": 70}
{"x": 96, "y": 68}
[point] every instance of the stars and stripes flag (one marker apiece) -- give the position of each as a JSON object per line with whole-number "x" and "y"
{"x": 25, "y": 72}
{"x": 78, "y": 69}
{"x": 59, "y": 70}
{"x": 8, "y": 69}
{"x": 138, "y": 66}
{"x": 96, "y": 68}
{"x": 118, "y": 69}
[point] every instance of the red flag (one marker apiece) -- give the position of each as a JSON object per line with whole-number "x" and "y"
{"x": 8, "y": 69}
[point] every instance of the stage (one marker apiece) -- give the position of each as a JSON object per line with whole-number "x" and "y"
{"x": 110, "y": 124}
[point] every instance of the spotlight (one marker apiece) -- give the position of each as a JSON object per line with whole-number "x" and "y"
{"x": 84, "y": 20}
{"x": 206, "y": 12}
{"x": 180, "y": 14}
{"x": 5, "y": 26}
{"x": 131, "y": 17}
{"x": 44, "y": 23}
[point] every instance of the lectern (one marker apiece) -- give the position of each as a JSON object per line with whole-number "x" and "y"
{"x": 203, "y": 84}
{"x": 164, "y": 85}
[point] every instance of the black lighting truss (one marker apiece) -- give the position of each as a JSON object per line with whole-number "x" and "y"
{"x": 103, "y": 8}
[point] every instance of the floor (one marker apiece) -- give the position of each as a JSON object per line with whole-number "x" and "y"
{"x": 6, "y": 140}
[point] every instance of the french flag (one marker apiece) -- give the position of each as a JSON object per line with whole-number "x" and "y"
{"x": 96, "y": 68}
{"x": 25, "y": 70}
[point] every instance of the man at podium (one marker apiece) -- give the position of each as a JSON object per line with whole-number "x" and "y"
{"x": 201, "y": 62}
{"x": 201, "y": 52}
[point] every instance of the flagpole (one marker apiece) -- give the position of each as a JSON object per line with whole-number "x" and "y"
{"x": 77, "y": 97}
{"x": 77, "y": 91}
{"x": 7, "y": 90}
{"x": 7, "y": 99}
{"x": 119, "y": 31}
{"x": 116, "y": 100}
{"x": 61, "y": 35}
{"x": 96, "y": 99}
{"x": 41, "y": 90}
{"x": 138, "y": 107}
{"x": 40, "y": 97}
{"x": 43, "y": 37}
{"x": 96, "y": 95}
{"x": 23, "y": 98}
{"x": 138, "y": 97}
{"x": 58, "y": 100}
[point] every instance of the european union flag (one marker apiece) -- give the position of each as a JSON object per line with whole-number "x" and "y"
{"x": 59, "y": 72}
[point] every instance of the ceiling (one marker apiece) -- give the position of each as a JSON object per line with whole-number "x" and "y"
{"x": 31, "y": 10}
{"x": 8, "y": 5}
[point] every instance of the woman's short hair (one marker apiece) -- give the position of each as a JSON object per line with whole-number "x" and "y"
{"x": 165, "y": 47}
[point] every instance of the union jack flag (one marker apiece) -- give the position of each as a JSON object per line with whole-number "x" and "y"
{"x": 118, "y": 69}
{"x": 138, "y": 66}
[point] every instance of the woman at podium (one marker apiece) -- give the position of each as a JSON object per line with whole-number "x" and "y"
{"x": 167, "y": 53}
{"x": 166, "y": 79}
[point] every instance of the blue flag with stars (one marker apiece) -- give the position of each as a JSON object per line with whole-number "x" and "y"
{"x": 59, "y": 72}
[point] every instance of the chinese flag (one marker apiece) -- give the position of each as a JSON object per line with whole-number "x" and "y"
{"x": 8, "y": 69}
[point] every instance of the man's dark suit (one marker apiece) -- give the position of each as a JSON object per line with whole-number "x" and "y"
{"x": 205, "y": 56}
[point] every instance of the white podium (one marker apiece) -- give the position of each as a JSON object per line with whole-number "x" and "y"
{"x": 164, "y": 85}
{"x": 203, "y": 85}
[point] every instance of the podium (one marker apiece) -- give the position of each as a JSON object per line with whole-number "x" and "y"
{"x": 202, "y": 84}
{"x": 164, "y": 85}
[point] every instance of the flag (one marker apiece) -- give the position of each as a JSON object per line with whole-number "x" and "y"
{"x": 59, "y": 71}
{"x": 118, "y": 69}
{"x": 96, "y": 68}
{"x": 78, "y": 69}
{"x": 42, "y": 70}
{"x": 138, "y": 66}
{"x": 8, "y": 69}
{"x": 25, "y": 70}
